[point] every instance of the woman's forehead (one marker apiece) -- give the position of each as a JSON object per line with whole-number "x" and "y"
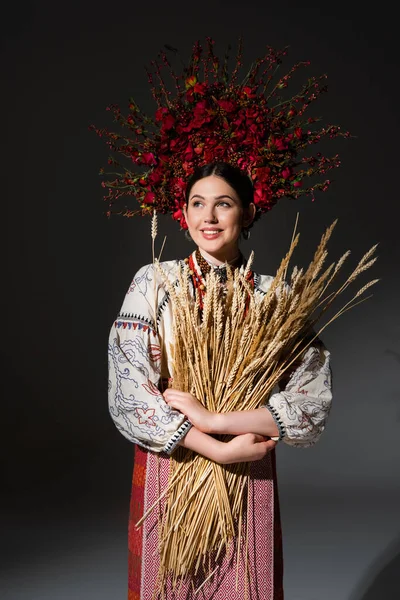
{"x": 212, "y": 187}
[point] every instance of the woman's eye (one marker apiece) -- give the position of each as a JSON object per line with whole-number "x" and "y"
{"x": 198, "y": 203}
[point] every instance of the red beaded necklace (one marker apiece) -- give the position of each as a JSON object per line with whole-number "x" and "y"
{"x": 199, "y": 267}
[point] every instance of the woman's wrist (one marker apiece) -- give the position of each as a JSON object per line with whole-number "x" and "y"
{"x": 204, "y": 444}
{"x": 218, "y": 423}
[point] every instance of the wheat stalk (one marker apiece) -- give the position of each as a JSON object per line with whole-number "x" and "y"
{"x": 232, "y": 357}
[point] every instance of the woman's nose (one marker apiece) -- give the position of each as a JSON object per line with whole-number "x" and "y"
{"x": 210, "y": 216}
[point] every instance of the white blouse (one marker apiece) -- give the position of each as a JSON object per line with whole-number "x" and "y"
{"x": 139, "y": 356}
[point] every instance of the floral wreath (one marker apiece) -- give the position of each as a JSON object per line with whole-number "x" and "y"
{"x": 209, "y": 117}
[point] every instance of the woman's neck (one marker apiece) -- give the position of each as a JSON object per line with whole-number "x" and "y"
{"x": 217, "y": 261}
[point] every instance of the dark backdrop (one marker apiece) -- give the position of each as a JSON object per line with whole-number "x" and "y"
{"x": 66, "y": 469}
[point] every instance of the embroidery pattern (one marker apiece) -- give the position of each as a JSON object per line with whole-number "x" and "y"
{"x": 132, "y": 320}
{"x": 162, "y": 306}
{"x": 176, "y": 438}
{"x": 305, "y": 420}
{"x": 278, "y": 421}
{"x": 133, "y": 412}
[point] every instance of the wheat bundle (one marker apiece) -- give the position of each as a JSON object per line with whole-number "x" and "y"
{"x": 230, "y": 355}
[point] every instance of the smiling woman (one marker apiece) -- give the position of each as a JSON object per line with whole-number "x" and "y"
{"x": 216, "y": 213}
{"x": 223, "y": 146}
{"x": 218, "y": 208}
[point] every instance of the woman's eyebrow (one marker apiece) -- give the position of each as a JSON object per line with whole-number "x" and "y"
{"x": 216, "y": 197}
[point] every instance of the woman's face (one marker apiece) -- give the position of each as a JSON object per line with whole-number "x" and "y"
{"x": 215, "y": 217}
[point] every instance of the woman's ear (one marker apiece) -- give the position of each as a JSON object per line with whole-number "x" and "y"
{"x": 249, "y": 214}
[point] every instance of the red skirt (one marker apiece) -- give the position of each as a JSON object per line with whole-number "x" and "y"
{"x": 265, "y": 559}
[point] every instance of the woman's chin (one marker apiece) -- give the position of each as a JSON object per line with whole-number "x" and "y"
{"x": 211, "y": 246}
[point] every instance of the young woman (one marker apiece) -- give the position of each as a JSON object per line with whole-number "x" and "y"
{"x": 218, "y": 209}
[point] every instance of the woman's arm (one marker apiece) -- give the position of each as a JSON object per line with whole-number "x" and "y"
{"x": 258, "y": 421}
{"x": 303, "y": 405}
{"x": 136, "y": 405}
{"x": 242, "y": 448}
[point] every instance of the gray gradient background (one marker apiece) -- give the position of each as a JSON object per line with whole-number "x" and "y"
{"x": 66, "y": 469}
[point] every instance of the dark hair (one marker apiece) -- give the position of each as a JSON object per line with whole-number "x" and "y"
{"x": 234, "y": 176}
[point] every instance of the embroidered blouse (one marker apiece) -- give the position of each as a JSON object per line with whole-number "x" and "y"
{"x": 139, "y": 356}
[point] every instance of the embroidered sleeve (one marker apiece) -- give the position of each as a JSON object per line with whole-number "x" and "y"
{"x": 302, "y": 407}
{"x": 278, "y": 422}
{"x": 136, "y": 404}
{"x": 176, "y": 438}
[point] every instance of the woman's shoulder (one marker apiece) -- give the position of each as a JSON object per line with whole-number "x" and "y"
{"x": 155, "y": 274}
{"x": 146, "y": 282}
{"x": 156, "y": 270}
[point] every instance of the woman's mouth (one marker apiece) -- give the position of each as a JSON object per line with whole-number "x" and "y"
{"x": 210, "y": 234}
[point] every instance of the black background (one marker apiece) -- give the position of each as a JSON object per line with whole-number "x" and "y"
{"x": 66, "y": 470}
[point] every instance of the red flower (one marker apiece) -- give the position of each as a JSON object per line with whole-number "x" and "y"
{"x": 179, "y": 183}
{"x": 160, "y": 112}
{"x": 188, "y": 168}
{"x": 168, "y": 122}
{"x": 227, "y": 105}
{"x": 201, "y": 114}
{"x": 200, "y": 88}
{"x": 297, "y": 183}
{"x": 179, "y": 216}
{"x": 189, "y": 152}
{"x": 281, "y": 144}
{"x": 239, "y": 120}
{"x": 155, "y": 177}
{"x": 176, "y": 144}
{"x": 249, "y": 92}
{"x": 200, "y": 108}
{"x": 252, "y": 112}
{"x": 263, "y": 174}
{"x": 298, "y": 133}
{"x": 148, "y": 158}
{"x": 194, "y": 87}
{"x": 262, "y": 195}
{"x": 243, "y": 163}
{"x": 276, "y": 143}
{"x": 286, "y": 173}
{"x": 149, "y": 198}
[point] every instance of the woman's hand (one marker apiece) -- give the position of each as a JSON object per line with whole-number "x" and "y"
{"x": 245, "y": 448}
{"x": 242, "y": 448}
{"x": 189, "y": 406}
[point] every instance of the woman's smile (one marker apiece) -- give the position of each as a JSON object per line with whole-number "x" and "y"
{"x": 211, "y": 234}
